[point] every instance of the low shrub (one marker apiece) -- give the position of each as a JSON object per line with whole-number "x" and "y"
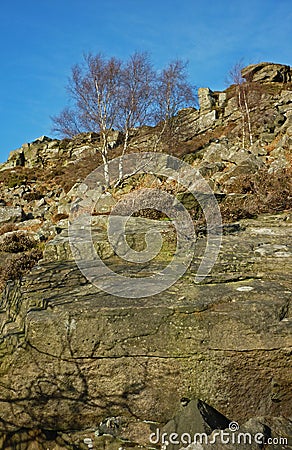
{"x": 236, "y": 208}
{"x": 7, "y": 228}
{"x": 19, "y": 264}
{"x": 262, "y": 192}
{"x": 16, "y": 243}
{"x": 149, "y": 213}
{"x": 59, "y": 216}
{"x": 33, "y": 195}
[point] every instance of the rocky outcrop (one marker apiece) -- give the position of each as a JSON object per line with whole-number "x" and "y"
{"x": 203, "y": 428}
{"x": 219, "y": 119}
{"x": 206, "y": 99}
{"x": 267, "y": 73}
{"x": 45, "y": 151}
{"x": 108, "y": 371}
{"x": 227, "y": 341}
{"x": 10, "y": 214}
{"x": 59, "y": 247}
{"x": 252, "y": 435}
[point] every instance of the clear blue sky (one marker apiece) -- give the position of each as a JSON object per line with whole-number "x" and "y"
{"x": 42, "y": 39}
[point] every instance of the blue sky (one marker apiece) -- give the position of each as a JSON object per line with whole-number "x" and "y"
{"x": 42, "y": 39}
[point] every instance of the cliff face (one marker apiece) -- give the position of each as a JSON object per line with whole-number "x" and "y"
{"x": 76, "y": 360}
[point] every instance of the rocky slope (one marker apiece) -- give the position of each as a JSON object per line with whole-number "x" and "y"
{"x": 105, "y": 368}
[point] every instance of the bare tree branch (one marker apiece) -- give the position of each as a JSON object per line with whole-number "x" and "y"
{"x": 173, "y": 93}
{"x": 110, "y": 94}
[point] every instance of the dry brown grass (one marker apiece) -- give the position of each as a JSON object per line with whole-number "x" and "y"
{"x": 19, "y": 176}
{"x": 264, "y": 193}
{"x": 272, "y": 145}
{"x": 7, "y": 228}
{"x": 59, "y": 216}
{"x": 203, "y": 139}
{"x": 18, "y": 265}
{"x": 17, "y": 242}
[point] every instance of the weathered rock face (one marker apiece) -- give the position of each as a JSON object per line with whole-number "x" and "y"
{"x": 194, "y": 417}
{"x": 206, "y": 99}
{"x": 94, "y": 362}
{"x": 10, "y": 214}
{"x": 252, "y": 435}
{"x": 59, "y": 247}
{"x": 220, "y": 118}
{"x": 267, "y": 72}
{"x": 44, "y": 151}
{"x": 88, "y": 356}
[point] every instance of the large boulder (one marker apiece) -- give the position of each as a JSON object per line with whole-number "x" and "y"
{"x": 206, "y": 99}
{"x": 10, "y": 214}
{"x": 255, "y": 434}
{"x": 88, "y": 355}
{"x": 267, "y": 72}
{"x": 194, "y": 417}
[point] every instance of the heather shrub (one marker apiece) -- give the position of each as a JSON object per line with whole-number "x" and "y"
{"x": 19, "y": 264}
{"x": 33, "y": 195}
{"x": 149, "y": 213}
{"x": 262, "y": 192}
{"x": 59, "y": 216}
{"x": 16, "y": 243}
{"x": 236, "y": 208}
{"x": 7, "y": 228}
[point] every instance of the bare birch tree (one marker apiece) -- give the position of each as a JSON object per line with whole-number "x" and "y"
{"x": 110, "y": 94}
{"x": 94, "y": 87}
{"x": 67, "y": 124}
{"x": 242, "y": 92}
{"x": 136, "y": 98}
{"x": 173, "y": 92}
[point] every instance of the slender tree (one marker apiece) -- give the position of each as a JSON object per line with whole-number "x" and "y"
{"x": 67, "y": 124}
{"x": 173, "y": 92}
{"x": 243, "y": 89}
{"x": 94, "y": 87}
{"x": 110, "y": 94}
{"x": 136, "y": 98}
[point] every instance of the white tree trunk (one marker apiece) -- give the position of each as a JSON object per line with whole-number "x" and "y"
{"x": 104, "y": 155}
{"x": 243, "y": 116}
{"x": 248, "y": 118}
{"x": 160, "y": 134}
{"x": 121, "y": 161}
